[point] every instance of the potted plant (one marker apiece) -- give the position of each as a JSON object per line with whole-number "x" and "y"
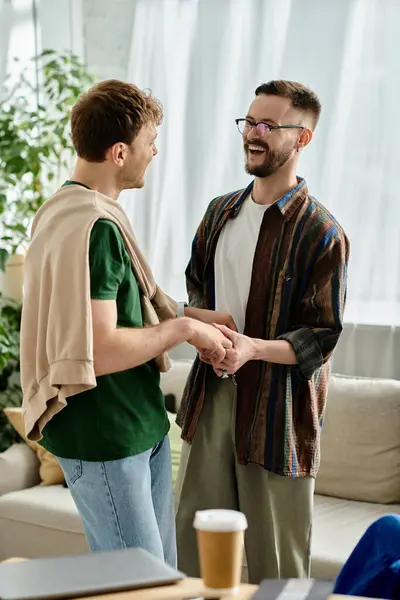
{"x": 35, "y": 150}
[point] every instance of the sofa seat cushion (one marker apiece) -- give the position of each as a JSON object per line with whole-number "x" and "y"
{"x": 338, "y": 526}
{"x": 50, "y": 506}
{"x": 38, "y": 522}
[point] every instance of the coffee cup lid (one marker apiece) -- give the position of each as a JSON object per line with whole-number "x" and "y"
{"x": 220, "y": 520}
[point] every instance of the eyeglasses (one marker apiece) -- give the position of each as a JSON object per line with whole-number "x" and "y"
{"x": 263, "y": 129}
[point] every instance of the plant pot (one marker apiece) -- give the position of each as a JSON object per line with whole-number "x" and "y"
{"x": 14, "y": 277}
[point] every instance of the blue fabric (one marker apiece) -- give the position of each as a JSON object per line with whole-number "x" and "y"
{"x": 127, "y": 502}
{"x": 373, "y": 568}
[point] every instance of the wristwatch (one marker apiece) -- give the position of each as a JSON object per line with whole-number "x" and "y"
{"x": 181, "y": 309}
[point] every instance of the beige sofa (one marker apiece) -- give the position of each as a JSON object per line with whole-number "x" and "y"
{"x": 359, "y": 479}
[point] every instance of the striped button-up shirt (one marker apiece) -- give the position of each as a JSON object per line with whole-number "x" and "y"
{"x": 297, "y": 293}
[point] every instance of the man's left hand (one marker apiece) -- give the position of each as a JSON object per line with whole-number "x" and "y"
{"x": 242, "y": 351}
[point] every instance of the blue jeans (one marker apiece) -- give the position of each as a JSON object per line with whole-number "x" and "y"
{"x": 126, "y": 503}
{"x": 373, "y": 568}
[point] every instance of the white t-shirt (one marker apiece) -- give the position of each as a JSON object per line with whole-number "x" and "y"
{"x": 233, "y": 261}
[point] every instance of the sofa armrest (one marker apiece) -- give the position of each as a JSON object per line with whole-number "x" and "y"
{"x": 19, "y": 469}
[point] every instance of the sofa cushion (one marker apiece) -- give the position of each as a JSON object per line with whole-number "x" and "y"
{"x": 50, "y": 471}
{"x": 40, "y": 521}
{"x": 19, "y": 468}
{"x": 47, "y": 506}
{"x": 337, "y": 527}
{"x": 360, "y": 441}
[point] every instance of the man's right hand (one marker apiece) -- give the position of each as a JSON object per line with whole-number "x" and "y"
{"x": 208, "y": 338}
{"x": 210, "y": 316}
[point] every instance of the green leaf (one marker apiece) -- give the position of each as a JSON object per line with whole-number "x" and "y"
{"x": 17, "y": 227}
{"x": 47, "y": 52}
{"x": 15, "y": 164}
{"x": 3, "y": 259}
{"x": 3, "y": 362}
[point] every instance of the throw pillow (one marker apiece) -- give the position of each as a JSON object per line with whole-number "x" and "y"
{"x": 360, "y": 440}
{"x": 50, "y": 471}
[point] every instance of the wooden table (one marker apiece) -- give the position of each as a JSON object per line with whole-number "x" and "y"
{"x": 183, "y": 590}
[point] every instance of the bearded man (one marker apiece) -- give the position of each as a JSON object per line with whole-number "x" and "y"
{"x": 275, "y": 259}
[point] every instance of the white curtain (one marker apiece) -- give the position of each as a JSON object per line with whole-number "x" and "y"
{"x": 204, "y": 58}
{"x": 7, "y": 16}
{"x": 17, "y": 42}
{"x": 368, "y": 351}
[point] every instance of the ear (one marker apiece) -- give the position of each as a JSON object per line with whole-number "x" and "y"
{"x": 304, "y": 139}
{"x": 117, "y": 154}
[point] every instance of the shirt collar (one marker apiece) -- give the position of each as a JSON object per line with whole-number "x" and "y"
{"x": 287, "y": 204}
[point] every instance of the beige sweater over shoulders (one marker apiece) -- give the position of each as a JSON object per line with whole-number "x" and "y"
{"x": 56, "y": 327}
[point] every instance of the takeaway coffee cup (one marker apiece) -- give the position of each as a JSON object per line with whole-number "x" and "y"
{"x": 220, "y": 536}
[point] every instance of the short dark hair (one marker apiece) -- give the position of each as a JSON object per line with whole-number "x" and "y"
{"x": 300, "y": 96}
{"x": 110, "y": 112}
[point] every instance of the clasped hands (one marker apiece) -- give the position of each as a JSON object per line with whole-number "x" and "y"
{"x": 240, "y": 351}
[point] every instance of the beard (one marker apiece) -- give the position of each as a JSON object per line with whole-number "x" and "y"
{"x": 273, "y": 161}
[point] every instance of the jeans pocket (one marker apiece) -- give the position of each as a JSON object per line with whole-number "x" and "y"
{"x": 72, "y": 469}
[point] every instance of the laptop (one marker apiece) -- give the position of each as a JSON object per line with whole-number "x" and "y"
{"x": 84, "y": 575}
{"x": 294, "y": 589}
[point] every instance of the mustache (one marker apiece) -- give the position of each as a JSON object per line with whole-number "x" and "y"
{"x": 257, "y": 143}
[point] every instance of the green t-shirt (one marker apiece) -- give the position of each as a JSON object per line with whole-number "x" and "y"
{"x": 125, "y": 414}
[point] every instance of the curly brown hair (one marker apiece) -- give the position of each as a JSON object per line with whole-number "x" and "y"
{"x": 110, "y": 112}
